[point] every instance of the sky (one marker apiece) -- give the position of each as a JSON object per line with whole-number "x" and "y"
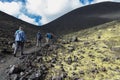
{"x": 41, "y": 12}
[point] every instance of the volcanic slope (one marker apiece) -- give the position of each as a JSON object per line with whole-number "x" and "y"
{"x": 84, "y": 17}
{"x": 90, "y": 54}
{"x": 8, "y": 26}
{"x": 94, "y": 55}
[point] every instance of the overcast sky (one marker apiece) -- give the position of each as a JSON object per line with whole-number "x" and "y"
{"x": 40, "y": 12}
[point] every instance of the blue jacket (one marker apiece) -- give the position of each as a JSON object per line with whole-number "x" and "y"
{"x": 20, "y": 36}
{"x": 49, "y": 35}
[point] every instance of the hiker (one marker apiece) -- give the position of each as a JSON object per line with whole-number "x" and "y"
{"x": 49, "y": 37}
{"x": 20, "y": 38}
{"x": 38, "y": 38}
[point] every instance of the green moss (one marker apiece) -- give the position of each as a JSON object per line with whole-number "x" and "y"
{"x": 91, "y": 56}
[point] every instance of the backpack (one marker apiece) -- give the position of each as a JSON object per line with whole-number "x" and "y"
{"x": 49, "y": 35}
{"x": 20, "y": 36}
{"x": 39, "y": 36}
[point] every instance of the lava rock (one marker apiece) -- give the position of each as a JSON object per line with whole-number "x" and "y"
{"x": 62, "y": 69}
{"x": 14, "y": 77}
{"x": 56, "y": 78}
{"x": 4, "y": 50}
{"x": 53, "y": 60}
{"x": 73, "y": 73}
{"x": 75, "y": 67}
{"x": 86, "y": 43}
{"x": 99, "y": 36}
{"x": 81, "y": 57}
{"x": 69, "y": 61}
{"x": 15, "y": 69}
{"x": 36, "y": 75}
{"x": 65, "y": 42}
{"x": 2, "y": 61}
{"x": 74, "y": 39}
{"x": 104, "y": 69}
{"x": 76, "y": 79}
{"x": 91, "y": 56}
{"x": 118, "y": 57}
{"x": 71, "y": 48}
{"x": 63, "y": 75}
{"x": 81, "y": 72}
{"x": 115, "y": 48}
{"x": 81, "y": 52}
{"x": 106, "y": 60}
{"x": 75, "y": 59}
{"x": 32, "y": 77}
{"x": 39, "y": 59}
{"x": 43, "y": 67}
{"x": 95, "y": 70}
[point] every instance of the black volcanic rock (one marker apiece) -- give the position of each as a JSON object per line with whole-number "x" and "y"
{"x": 78, "y": 19}
{"x": 84, "y": 17}
{"x": 8, "y": 26}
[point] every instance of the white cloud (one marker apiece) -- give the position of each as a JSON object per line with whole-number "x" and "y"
{"x": 56, "y": 6}
{"x": 116, "y": 0}
{"x": 75, "y": 4}
{"x": 27, "y": 19}
{"x": 48, "y": 9}
{"x": 97, "y": 1}
{"x": 12, "y": 8}
{"x": 51, "y": 9}
{"x": 36, "y": 7}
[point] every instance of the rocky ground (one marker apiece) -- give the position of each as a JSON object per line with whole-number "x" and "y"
{"x": 90, "y": 54}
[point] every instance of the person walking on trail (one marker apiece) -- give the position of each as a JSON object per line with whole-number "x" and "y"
{"x": 20, "y": 39}
{"x": 38, "y": 38}
{"x": 49, "y": 37}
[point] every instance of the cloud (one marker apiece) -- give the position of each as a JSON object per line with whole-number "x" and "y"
{"x": 12, "y": 8}
{"x": 42, "y": 11}
{"x": 116, "y": 0}
{"x": 51, "y": 9}
{"x": 27, "y": 19}
{"x": 60, "y": 8}
{"x": 97, "y": 1}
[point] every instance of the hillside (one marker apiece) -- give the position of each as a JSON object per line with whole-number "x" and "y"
{"x": 88, "y": 48}
{"x": 89, "y": 54}
{"x": 8, "y": 26}
{"x": 84, "y": 17}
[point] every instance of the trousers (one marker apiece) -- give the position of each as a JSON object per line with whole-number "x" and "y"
{"x": 19, "y": 45}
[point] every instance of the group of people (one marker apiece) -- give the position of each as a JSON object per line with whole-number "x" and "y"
{"x": 39, "y": 37}
{"x": 20, "y": 39}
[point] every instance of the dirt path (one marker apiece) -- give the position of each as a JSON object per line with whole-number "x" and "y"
{"x": 11, "y": 60}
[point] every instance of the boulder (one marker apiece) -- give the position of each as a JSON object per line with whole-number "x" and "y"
{"x": 115, "y": 48}
{"x": 74, "y": 39}
{"x": 106, "y": 59}
{"x": 15, "y": 69}
{"x": 81, "y": 73}
{"x": 95, "y": 70}
{"x": 86, "y": 43}
{"x": 53, "y": 60}
{"x": 71, "y": 48}
{"x": 104, "y": 69}
{"x": 14, "y": 77}
{"x": 69, "y": 61}
{"x": 99, "y": 36}
{"x": 75, "y": 59}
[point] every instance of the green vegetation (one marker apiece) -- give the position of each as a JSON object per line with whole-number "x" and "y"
{"x": 95, "y": 56}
